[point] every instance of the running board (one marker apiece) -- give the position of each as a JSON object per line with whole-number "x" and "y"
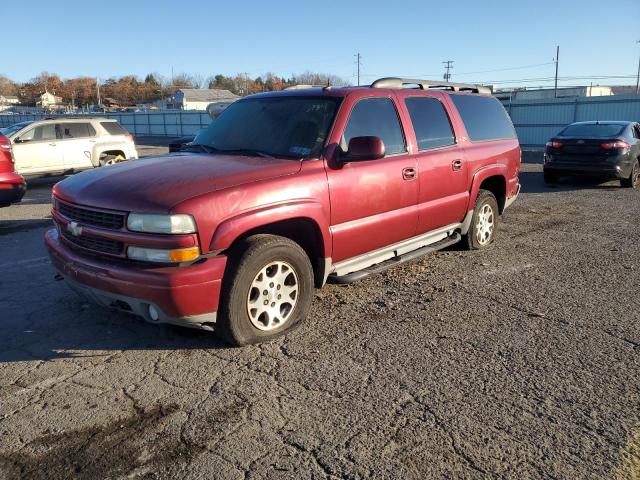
{"x": 407, "y": 257}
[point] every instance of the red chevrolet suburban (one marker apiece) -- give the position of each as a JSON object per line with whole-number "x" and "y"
{"x": 283, "y": 192}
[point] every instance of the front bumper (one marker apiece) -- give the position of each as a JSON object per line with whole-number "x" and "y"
{"x": 186, "y": 296}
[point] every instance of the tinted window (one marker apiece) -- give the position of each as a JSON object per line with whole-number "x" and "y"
{"x": 113, "y": 128}
{"x": 40, "y": 134}
{"x": 76, "y": 130}
{"x": 430, "y": 122}
{"x": 484, "y": 117}
{"x": 282, "y": 126}
{"x": 592, "y": 130}
{"x": 376, "y": 117}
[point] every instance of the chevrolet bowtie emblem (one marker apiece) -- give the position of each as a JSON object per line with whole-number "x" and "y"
{"x": 74, "y": 229}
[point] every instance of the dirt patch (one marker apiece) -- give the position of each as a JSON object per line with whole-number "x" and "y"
{"x": 629, "y": 468}
{"x": 106, "y": 451}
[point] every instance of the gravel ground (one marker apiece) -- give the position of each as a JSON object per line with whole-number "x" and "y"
{"x": 517, "y": 362}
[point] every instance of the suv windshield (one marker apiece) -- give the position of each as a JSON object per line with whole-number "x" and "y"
{"x": 592, "y": 130}
{"x": 286, "y": 126}
{"x": 11, "y": 129}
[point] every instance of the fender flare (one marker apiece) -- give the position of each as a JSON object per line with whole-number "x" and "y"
{"x": 495, "y": 169}
{"x": 230, "y": 229}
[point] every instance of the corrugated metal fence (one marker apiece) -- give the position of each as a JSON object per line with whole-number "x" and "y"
{"x": 535, "y": 120}
{"x": 171, "y": 123}
{"x": 538, "y": 120}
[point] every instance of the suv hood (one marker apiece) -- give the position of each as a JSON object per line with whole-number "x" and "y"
{"x": 156, "y": 184}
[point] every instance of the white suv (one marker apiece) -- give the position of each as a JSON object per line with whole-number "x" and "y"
{"x": 64, "y": 145}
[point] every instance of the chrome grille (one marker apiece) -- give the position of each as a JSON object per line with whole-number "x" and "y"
{"x": 87, "y": 216}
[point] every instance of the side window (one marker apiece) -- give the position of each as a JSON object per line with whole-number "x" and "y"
{"x": 376, "y": 117}
{"x": 76, "y": 130}
{"x": 484, "y": 117}
{"x": 40, "y": 134}
{"x": 430, "y": 122}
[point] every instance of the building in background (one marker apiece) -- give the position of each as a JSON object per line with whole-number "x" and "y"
{"x": 50, "y": 102}
{"x": 9, "y": 100}
{"x": 549, "y": 93}
{"x": 198, "y": 98}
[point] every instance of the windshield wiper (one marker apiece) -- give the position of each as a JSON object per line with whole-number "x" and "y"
{"x": 246, "y": 151}
{"x": 199, "y": 146}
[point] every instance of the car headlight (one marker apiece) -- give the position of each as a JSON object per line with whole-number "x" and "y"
{"x": 157, "y": 255}
{"x": 154, "y": 223}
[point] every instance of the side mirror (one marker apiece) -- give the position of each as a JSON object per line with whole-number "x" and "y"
{"x": 364, "y": 148}
{"x": 19, "y": 140}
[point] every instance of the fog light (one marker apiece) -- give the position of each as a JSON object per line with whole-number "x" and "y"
{"x": 153, "y": 313}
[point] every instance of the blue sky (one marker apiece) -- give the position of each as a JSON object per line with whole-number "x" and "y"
{"x": 409, "y": 38}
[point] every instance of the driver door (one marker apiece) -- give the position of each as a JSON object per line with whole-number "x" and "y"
{"x": 37, "y": 151}
{"x": 373, "y": 202}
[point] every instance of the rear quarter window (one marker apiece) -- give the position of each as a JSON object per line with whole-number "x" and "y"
{"x": 113, "y": 128}
{"x": 484, "y": 117}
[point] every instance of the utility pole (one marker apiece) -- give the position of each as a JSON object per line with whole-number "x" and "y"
{"x": 358, "y": 63}
{"x": 98, "y": 90}
{"x": 448, "y": 65}
{"x": 555, "y": 88}
{"x": 638, "y": 77}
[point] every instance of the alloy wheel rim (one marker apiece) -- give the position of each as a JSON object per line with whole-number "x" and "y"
{"x": 273, "y": 296}
{"x": 485, "y": 224}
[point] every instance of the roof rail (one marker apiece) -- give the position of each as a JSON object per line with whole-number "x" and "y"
{"x": 303, "y": 86}
{"x": 395, "y": 82}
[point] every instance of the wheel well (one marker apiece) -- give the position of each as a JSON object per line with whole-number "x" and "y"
{"x": 498, "y": 186}
{"x": 111, "y": 152}
{"x": 305, "y": 232}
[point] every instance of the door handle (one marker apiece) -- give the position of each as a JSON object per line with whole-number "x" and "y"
{"x": 409, "y": 173}
{"x": 456, "y": 165}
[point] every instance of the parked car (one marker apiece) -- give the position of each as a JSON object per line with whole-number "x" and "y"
{"x": 12, "y": 185}
{"x": 607, "y": 150}
{"x": 285, "y": 191}
{"x": 69, "y": 144}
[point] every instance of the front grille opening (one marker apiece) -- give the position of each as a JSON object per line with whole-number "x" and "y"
{"x": 102, "y": 245}
{"x": 86, "y": 216}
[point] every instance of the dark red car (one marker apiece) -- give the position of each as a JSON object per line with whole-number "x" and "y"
{"x": 12, "y": 185}
{"x": 283, "y": 192}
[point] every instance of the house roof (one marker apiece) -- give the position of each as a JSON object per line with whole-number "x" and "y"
{"x": 206, "y": 94}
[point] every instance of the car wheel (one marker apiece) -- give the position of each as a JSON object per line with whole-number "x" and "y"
{"x": 484, "y": 222}
{"x": 110, "y": 160}
{"x": 267, "y": 290}
{"x": 550, "y": 178}
{"x": 634, "y": 179}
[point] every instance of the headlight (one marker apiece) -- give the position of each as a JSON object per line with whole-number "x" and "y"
{"x": 177, "y": 255}
{"x": 153, "y": 223}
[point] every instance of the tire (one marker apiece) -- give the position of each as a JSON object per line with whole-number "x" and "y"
{"x": 243, "y": 317}
{"x": 484, "y": 222}
{"x": 634, "y": 178}
{"x": 550, "y": 178}
{"x": 110, "y": 160}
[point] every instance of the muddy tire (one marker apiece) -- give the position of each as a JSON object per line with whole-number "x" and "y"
{"x": 634, "y": 179}
{"x": 267, "y": 290}
{"x": 484, "y": 222}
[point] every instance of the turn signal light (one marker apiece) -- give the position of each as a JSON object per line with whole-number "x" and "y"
{"x": 184, "y": 254}
{"x": 617, "y": 145}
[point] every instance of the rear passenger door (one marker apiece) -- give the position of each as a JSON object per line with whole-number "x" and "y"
{"x": 77, "y": 144}
{"x": 373, "y": 202}
{"x": 442, "y": 170}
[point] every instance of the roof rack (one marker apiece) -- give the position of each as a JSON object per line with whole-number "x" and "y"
{"x": 395, "y": 82}
{"x": 303, "y": 86}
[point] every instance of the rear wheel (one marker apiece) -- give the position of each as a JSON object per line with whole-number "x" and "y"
{"x": 111, "y": 160}
{"x": 267, "y": 290}
{"x": 484, "y": 222}
{"x": 634, "y": 179}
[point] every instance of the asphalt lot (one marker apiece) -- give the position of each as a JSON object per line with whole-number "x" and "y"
{"x": 518, "y": 362}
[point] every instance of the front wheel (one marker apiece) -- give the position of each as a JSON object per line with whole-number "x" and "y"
{"x": 268, "y": 288}
{"x": 634, "y": 179}
{"x": 484, "y": 222}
